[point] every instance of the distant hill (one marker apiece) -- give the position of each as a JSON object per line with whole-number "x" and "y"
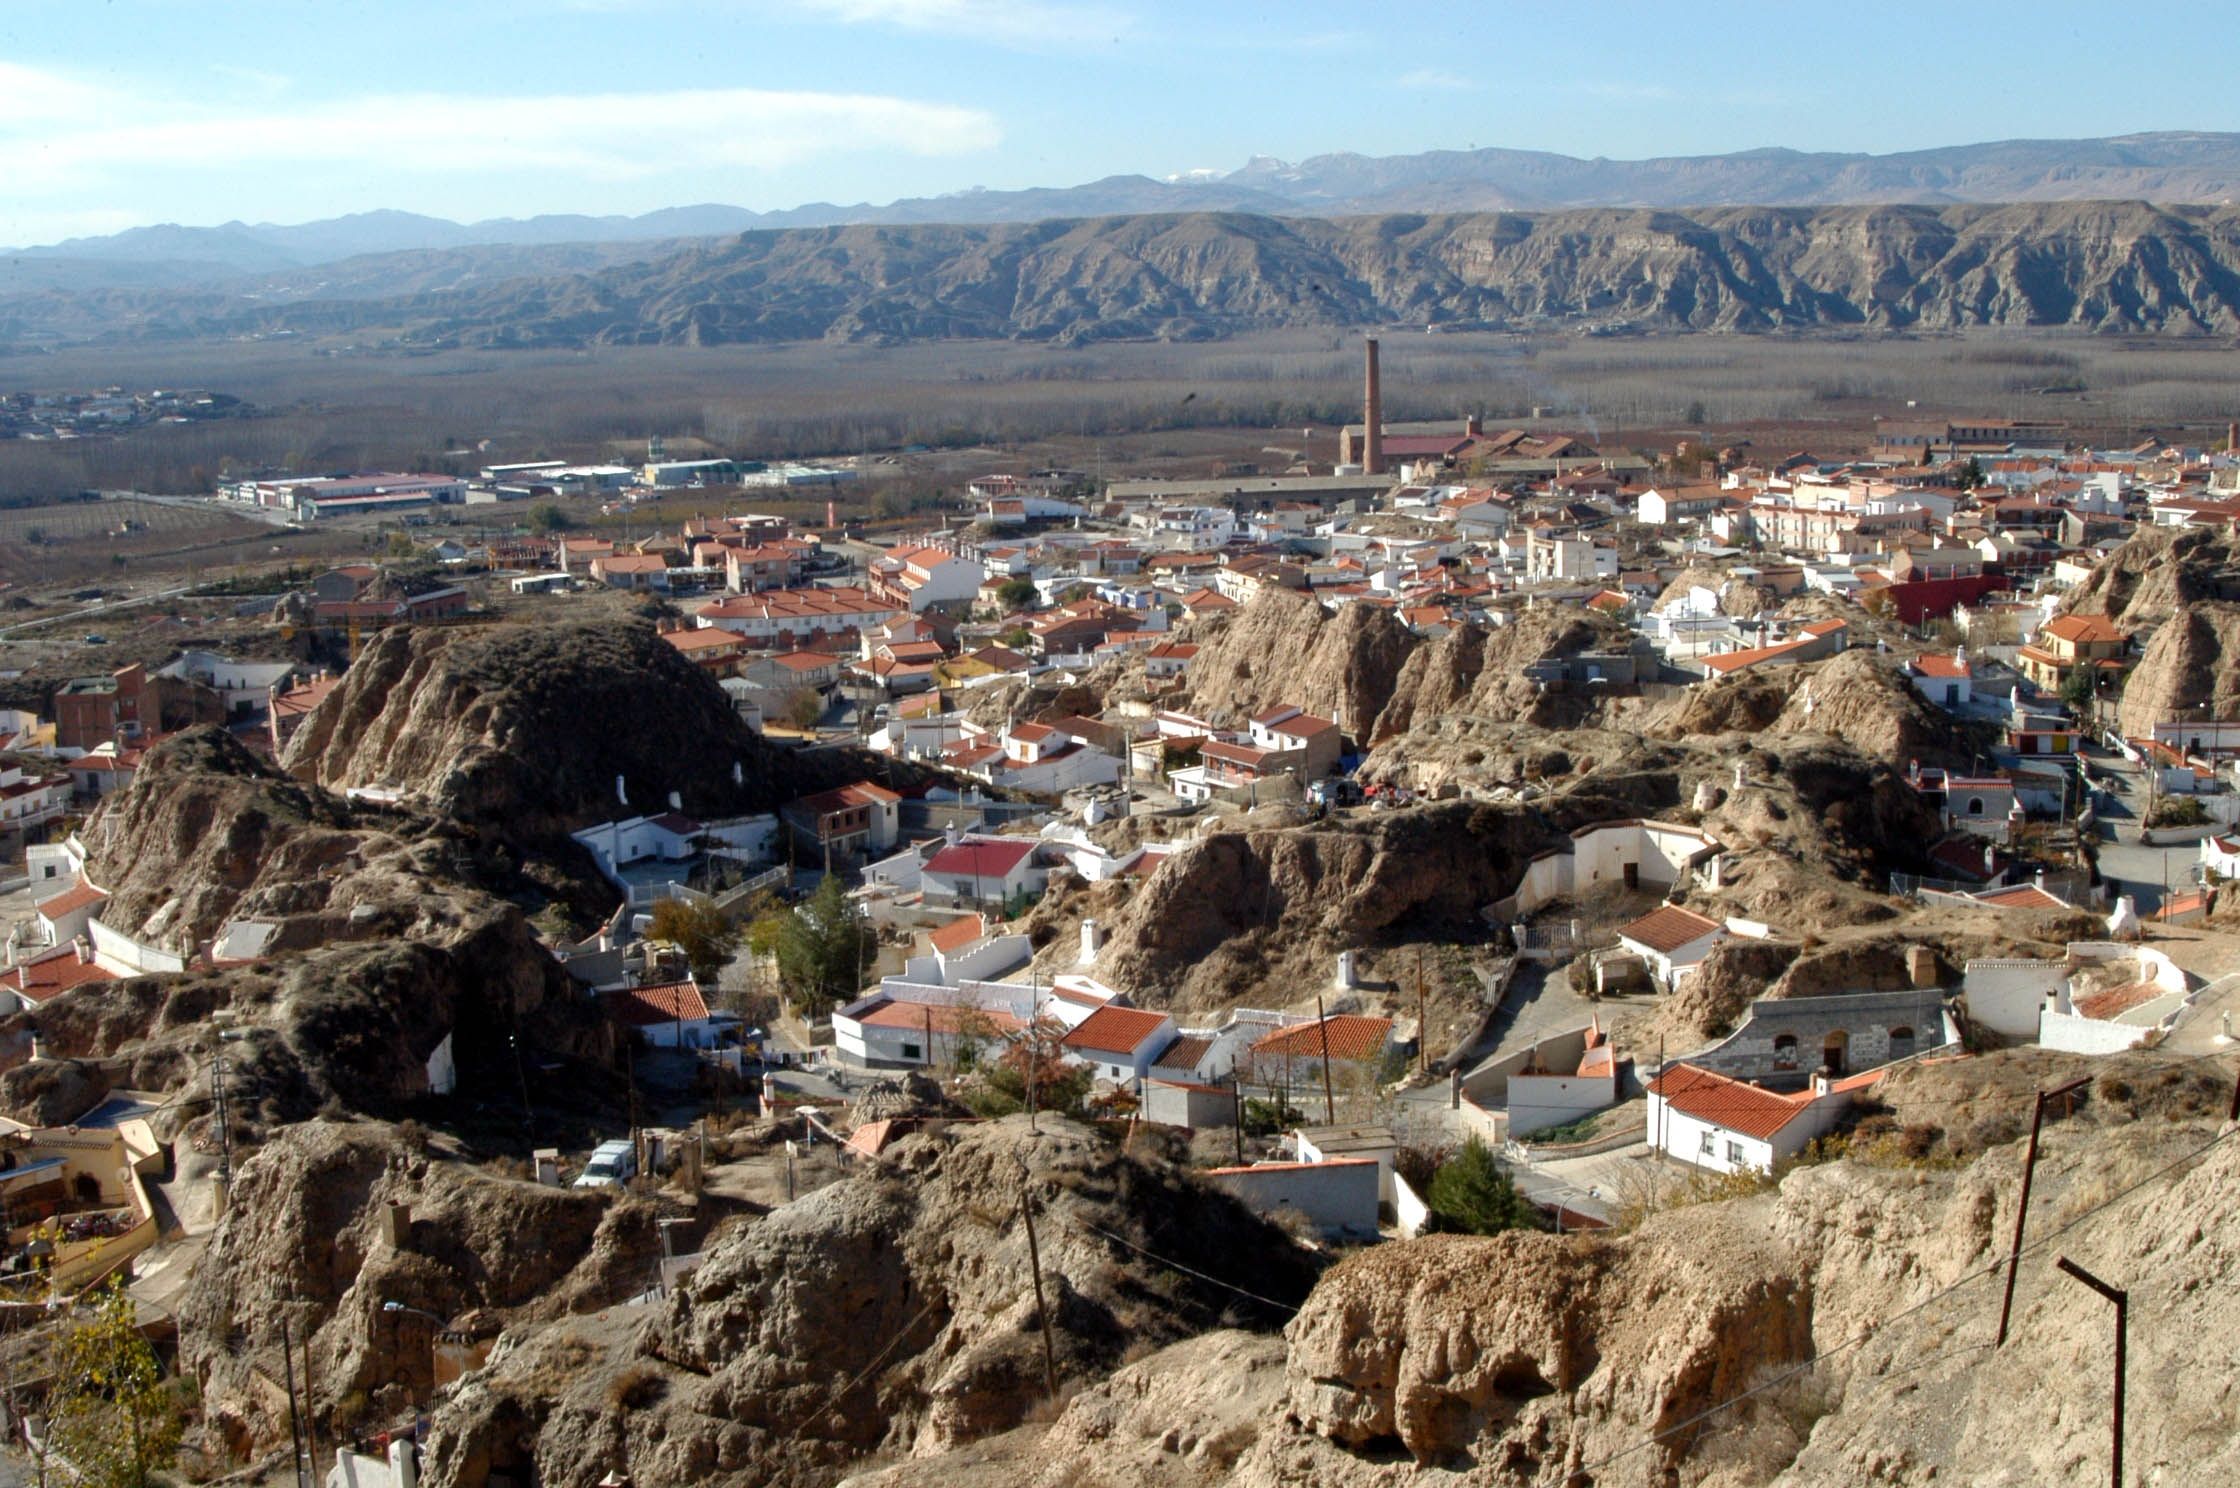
{"x": 2100, "y": 266}
{"x": 2168, "y": 168}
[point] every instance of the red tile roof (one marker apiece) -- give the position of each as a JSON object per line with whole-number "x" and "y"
{"x": 56, "y": 972}
{"x": 1668, "y": 927}
{"x": 980, "y": 859}
{"x": 1350, "y": 1037}
{"x": 2082, "y": 629}
{"x": 958, "y": 934}
{"x": 1115, "y": 1030}
{"x": 1184, "y": 1053}
{"x": 1735, "y": 1105}
{"x": 647, "y": 1007}
{"x": 80, "y": 895}
{"x": 1941, "y": 666}
{"x": 941, "y": 1017}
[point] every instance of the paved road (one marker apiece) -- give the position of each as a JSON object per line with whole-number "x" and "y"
{"x": 2131, "y": 866}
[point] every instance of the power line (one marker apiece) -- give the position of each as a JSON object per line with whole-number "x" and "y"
{"x": 1923, "y": 1305}
{"x": 1174, "y": 1265}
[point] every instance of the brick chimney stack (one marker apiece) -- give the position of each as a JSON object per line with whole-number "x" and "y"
{"x": 1372, "y": 416}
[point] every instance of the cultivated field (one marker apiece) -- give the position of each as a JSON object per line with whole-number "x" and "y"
{"x": 124, "y": 545}
{"x": 461, "y": 409}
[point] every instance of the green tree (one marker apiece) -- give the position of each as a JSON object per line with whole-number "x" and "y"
{"x": 109, "y": 1413}
{"x": 548, "y": 518}
{"x": 1970, "y": 475}
{"x": 2077, "y": 689}
{"x": 804, "y": 708}
{"x": 823, "y": 947}
{"x": 1470, "y": 1195}
{"x": 703, "y": 932}
{"x": 1017, "y": 594}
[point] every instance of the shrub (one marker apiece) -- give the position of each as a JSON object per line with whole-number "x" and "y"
{"x": 636, "y": 1388}
{"x": 1471, "y": 1195}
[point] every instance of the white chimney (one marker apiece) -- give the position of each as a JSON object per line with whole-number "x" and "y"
{"x": 676, "y": 801}
{"x": 1346, "y": 981}
{"x": 1822, "y": 1083}
{"x": 1092, "y": 941}
{"x": 621, "y": 793}
{"x": 1738, "y": 775}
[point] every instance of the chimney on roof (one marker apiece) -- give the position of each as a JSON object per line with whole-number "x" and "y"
{"x": 84, "y": 948}
{"x": 1092, "y": 941}
{"x": 1372, "y": 414}
{"x": 1823, "y": 1081}
{"x": 1473, "y": 425}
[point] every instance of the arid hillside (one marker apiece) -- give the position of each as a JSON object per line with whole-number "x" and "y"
{"x": 2106, "y": 266}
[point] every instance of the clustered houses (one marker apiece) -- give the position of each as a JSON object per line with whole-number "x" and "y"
{"x": 972, "y": 994}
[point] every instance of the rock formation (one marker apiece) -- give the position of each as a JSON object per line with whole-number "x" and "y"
{"x": 526, "y": 729}
{"x": 1282, "y": 647}
{"x": 2189, "y": 670}
{"x": 893, "y": 1311}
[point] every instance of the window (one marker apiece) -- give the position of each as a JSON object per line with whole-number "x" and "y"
{"x": 1785, "y": 1052}
{"x": 911, "y": 1051}
{"x": 1975, "y": 805}
{"x": 1710, "y": 1145}
{"x": 1901, "y": 1042}
{"x": 1734, "y": 1153}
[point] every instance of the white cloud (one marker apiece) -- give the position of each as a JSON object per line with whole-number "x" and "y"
{"x": 100, "y": 135}
{"x": 1010, "y": 22}
{"x": 1435, "y": 79}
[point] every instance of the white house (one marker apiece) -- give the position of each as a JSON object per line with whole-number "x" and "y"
{"x": 1672, "y": 940}
{"x": 1120, "y": 1044}
{"x": 1943, "y": 680}
{"x": 981, "y": 870}
{"x": 926, "y": 576}
{"x": 668, "y": 1015}
{"x": 1733, "y": 1126}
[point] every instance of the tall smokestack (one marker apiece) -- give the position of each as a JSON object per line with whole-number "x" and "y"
{"x": 1372, "y": 416}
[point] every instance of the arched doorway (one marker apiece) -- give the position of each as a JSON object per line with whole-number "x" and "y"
{"x": 1832, "y": 1052}
{"x": 1785, "y": 1052}
{"x": 1901, "y": 1042}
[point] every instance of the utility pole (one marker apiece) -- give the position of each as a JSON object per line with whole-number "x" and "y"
{"x": 1329, "y": 1099}
{"x": 2122, "y": 1300}
{"x": 1423, "y": 1025}
{"x": 1041, "y": 1308}
{"x": 1236, "y": 1099}
{"x": 295, "y": 1425}
{"x": 1656, "y": 1138}
{"x": 2022, "y": 1209}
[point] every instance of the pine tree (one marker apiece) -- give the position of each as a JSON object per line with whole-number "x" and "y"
{"x": 1470, "y": 1195}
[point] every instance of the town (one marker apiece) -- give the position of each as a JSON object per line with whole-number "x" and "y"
{"x": 1476, "y": 829}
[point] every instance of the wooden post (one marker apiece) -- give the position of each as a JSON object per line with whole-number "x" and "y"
{"x": 1329, "y": 1099}
{"x": 1041, "y": 1308}
{"x": 2022, "y": 1209}
{"x": 2122, "y": 1300}
{"x": 1423, "y": 1023}
{"x": 295, "y": 1424}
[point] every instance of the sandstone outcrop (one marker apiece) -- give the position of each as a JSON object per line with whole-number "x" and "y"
{"x": 1282, "y": 647}
{"x": 893, "y": 1311}
{"x": 2189, "y": 670}
{"x": 528, "y": 730}
{"x": 2158, "y": 572}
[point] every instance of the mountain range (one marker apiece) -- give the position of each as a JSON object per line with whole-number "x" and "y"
{"x": 2100, "y": 266}
{"x": 2165, "y": 167}
{"x": 1483, "y": 238}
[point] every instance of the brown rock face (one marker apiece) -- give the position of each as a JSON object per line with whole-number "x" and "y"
{"x": 526, "y": 729}
{"x": 2158, "y": 572}
{"x": 1470, "y": 1352}
{"x": 2190, "y": 670}
{"x": 1237, "y": 910}
{"x": 1480, "y": 671}
{"x": 303, "y": 1241}
{"x": 1282, "y": 648}
{"x": 891, "y": 1311}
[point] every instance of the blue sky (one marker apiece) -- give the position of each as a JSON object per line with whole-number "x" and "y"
{"x": 136, "y": 111}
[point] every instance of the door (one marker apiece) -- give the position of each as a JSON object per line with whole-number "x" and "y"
{"x": 1633, "y": 875}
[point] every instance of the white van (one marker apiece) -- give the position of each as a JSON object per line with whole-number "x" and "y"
{"x": 612, "y": 1165}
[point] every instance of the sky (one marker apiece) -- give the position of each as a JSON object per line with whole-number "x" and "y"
{"x": 119, "y": 113}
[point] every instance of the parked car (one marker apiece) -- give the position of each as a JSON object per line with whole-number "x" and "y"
{"x": 612, "y": 1165}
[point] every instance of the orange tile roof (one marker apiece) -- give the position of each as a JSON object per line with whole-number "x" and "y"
{"x": 79, "y": 895}
{"x": 2082, "y": 629}
{"x": 1735, "y": 1105}
{"x": 647, "y": 1007}
{"x": 958, "y": 934}
{"x": 1350, "y": 1037}
{"x": 1115, "y": 1030}
{"x": 1184, "y": 1053}
{"x": 940, "y": 1017}
{"x": 1668, "y": 927}
{"x": 56, "y": 972}
{"x": 1941, "y": 666}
